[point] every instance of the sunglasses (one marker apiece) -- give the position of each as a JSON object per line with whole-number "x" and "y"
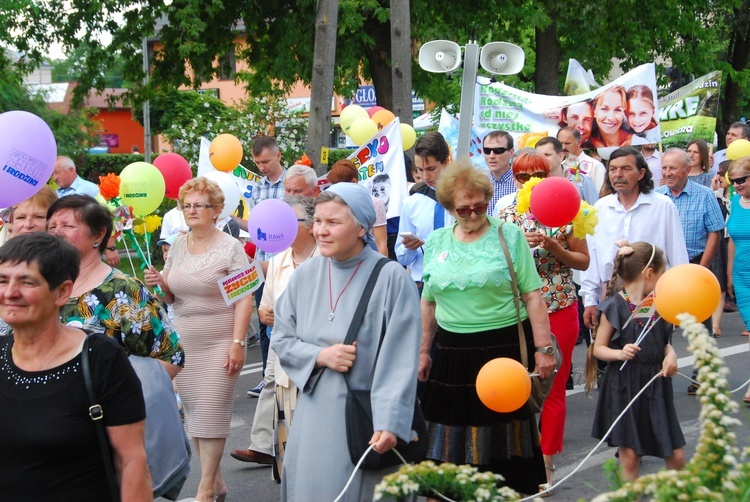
{"x": 524, "y": 177}
{"x": 478, "y": 209}
{"x": 738, "y": 181}
{"x": 499, "y": 150}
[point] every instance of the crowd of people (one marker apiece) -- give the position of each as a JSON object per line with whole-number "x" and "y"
{"x": 472, "y": 277}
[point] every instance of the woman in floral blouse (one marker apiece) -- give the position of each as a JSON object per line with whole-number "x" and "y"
{"x": 556, "y": 253}
{"x": 105, "y": 300}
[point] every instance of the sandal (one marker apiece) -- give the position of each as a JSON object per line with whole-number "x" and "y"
{"x": 745, "y": 333}
{"x": 716, "y": 332}
{"x": 545, "y": 490}
{"x": 746, "y": 399}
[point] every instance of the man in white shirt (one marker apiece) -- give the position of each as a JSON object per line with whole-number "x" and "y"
{"x": 738, "y": 130}
{"x": 69, "y": 182}
{"x": 570, "y": 137}
{"x": 653, "y": 159}
{"x": 634, "y": 212}
{"x": 421, "y": 213}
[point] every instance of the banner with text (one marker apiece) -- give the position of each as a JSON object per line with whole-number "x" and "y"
{"x": 448, "y": 127}
{"x": 623, "y": 112}
{"x": 690, "y": 112}
{"x": 381, "y": 169}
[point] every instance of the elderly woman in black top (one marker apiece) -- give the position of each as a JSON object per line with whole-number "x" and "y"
{"x": 50, "y": 447}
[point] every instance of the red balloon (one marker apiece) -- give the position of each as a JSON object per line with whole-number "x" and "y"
{"x": 555, "y": 202}
{"x": 373, "y": 110}
{"x": 176, "y": 172}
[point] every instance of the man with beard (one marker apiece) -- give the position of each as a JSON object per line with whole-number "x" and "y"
{"x": 633, "y": 212}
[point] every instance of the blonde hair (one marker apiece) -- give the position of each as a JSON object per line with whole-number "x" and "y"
{"x": 461, "y": 175}
{"x": 43, "y": 198}
{"x": 203, "y": 185}
{"x": 741, "y": 164}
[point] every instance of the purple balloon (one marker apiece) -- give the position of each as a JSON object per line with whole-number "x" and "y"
{"x": 27, "y": 156}
{"x": 272, "y": 225}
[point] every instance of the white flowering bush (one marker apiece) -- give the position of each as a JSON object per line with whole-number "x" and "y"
{"x": 718, "y": 470}
{"x": 206, "y": 116}
{"x": 457, "y": 482}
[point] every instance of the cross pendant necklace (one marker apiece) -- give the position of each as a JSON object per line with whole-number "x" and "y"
{"x": 333, "y": 306}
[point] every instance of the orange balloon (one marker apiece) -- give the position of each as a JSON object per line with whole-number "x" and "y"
{"x": 503, "y": 385}
{"x": 687, "y": 288}
{"x": 225, "y": 152}
{"x": 382, "y": 118}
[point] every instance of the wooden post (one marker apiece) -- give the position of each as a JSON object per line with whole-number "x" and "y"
{"x": 319, "y": 129}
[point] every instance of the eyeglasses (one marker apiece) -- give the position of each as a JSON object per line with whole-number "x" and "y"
{"x": 478, "y": 209}
{"x": 197, "y": 207}
{"x": 301, "y": 220}
{"x": 524, "y": 177}
{"x": 738, "y": 181}
{"x": 498, "y": 150}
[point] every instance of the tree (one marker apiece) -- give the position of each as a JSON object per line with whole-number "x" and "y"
{"x": 73, "y": 131}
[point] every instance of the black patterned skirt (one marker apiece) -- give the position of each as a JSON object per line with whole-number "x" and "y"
{"x": 463, "y": 430}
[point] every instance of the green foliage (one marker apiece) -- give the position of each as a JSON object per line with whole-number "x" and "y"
{"x": 185, "y": 117}
{"x": 91, "y": 166}
{"x": 70, "y": 130}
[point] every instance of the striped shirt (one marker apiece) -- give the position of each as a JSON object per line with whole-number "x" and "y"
{"x": 502, "y": 187}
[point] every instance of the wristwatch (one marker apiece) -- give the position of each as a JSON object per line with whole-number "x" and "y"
{"x": 549, "y": 350}
{"x": 241, "y": 342}
{"x": 111, "y": 248}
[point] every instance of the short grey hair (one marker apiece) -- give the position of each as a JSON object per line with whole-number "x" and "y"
{"x": 679, "y": 152}
{"x": 307, "y": 204}
{"x": 311, "y": 179}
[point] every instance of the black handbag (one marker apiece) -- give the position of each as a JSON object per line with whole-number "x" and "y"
{"x": 540, "y": 387}
{"x": 359, "y": 426}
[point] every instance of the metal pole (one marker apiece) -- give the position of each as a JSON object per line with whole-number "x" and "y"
{"x": 468, "y": 89}
{"x": 146, "y": 111}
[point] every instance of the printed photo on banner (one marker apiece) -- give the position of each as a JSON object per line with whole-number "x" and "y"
{"x": 690, "y": 112}
{"x": 381, "y": 169}
{"x": 238, "y": 285}
{"x": 621, "y": 113}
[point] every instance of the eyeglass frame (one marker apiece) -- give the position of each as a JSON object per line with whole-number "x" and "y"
{"x": 197, "y": 206}
{"x": 497, "y": 150}
{"x": 478, "y": 209}
{"x": 532, "y": 175}
{"x": 739, "y": 181}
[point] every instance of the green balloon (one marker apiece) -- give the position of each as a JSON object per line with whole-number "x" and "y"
{"x": 142, "y": 187}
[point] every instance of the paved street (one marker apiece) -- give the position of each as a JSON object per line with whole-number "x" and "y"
{"x": 248, "y": 482}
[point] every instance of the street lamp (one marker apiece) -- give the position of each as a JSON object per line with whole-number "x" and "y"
{"x": 444, "y": 56}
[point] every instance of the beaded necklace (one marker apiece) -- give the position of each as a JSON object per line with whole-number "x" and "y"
{"x": 632, "y": 308}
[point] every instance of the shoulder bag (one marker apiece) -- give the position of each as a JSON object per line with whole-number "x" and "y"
{"x": 540, "y": 387}
{"x": 359, "y": 426}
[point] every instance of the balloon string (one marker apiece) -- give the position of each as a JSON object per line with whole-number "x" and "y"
{"x": 548, "y": 490}
{"x": 130, "y": 259}
{"x": 731, "y": 391}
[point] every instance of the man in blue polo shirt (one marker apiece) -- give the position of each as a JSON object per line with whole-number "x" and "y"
{"x": 69, "y": 182}
{"x": 699, "y": 213}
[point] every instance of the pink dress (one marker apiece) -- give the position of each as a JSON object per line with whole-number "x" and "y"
{"x": 205, "y": 324}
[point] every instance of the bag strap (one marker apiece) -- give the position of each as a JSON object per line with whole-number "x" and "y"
{"x": 359, "y": 314}
{"x": 516, "y": 298}
{"x": 97, "y": 413}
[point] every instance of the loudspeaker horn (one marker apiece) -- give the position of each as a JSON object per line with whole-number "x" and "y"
{"x": 502, "y": 58}
{"x": 440, "y": 56}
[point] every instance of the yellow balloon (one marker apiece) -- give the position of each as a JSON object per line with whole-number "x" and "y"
{"x": 738, "y": 149}
{"x": 362, "y": 129}
{"x": 687, "y": 288}
{"x": 225, "y": 152}
{"x": 349, "y": 115}
{"x": 142, "y": 187}
{"x": 408, "y": 136}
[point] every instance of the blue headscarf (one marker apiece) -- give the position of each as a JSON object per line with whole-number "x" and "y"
{"x": 359, "y": 200}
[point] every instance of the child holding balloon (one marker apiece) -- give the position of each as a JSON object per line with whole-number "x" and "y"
{"x": 650, "y": 427}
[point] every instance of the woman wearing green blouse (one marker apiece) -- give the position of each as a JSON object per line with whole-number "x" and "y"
{"x": 467, "y": 306}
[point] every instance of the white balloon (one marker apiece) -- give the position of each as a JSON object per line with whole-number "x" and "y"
{"x": 229, "y": 188}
